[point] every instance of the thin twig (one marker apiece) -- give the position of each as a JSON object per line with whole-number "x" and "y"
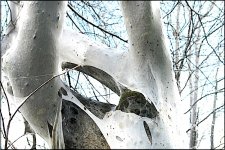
{"x": 8, "y": 125}
{"x": 3, "y": 124}
{"x": 68, "y": 76}
{"x": 220, "y": 90}
{"x": 41, "y": 87}
{"x": 19, "y": 138}
{"x": 172, "y": 9}
{"x": 95, "y": 94}
{"x": 77, "y": 80}
{"x": 200, "y": 20}
{"x": 210, "y": 114}
{"x": 95, "y": 88}
{"x": 7, "y": 100}
{"x": 126, "y": 41}
{"x": 101, "y": 95}
{"x": 207, "y": 116}
{"x": 74, "y": 23}
{"x": 10, "y": 12}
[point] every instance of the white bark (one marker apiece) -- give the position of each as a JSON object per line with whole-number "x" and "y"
{"x": 153, "y": 63}
{"x": 145, "y": 68}
{"x": 30, "y": 61}
{"x": 194, "y": 111}
{"x": 214, "y": 115}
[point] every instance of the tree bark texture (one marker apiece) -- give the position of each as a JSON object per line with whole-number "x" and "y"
{"x": 147, "y": 115}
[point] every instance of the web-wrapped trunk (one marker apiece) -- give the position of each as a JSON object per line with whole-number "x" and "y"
{"x": 146, "y": 116}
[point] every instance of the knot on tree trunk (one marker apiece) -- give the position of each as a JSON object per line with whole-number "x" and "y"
{"x": 135, "y": 102}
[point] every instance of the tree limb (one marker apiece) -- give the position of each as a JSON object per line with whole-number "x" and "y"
{"x": 126, "y": 41}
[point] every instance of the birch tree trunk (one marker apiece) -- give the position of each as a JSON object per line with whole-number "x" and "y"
{"x": 214, "y": 115}
{"x": 147, "y": 115}
{"x": 194, "y": 113}
{"x": 176, "y": 33}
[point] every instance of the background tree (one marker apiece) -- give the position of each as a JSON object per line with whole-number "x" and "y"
{"x": 197, "y": 47}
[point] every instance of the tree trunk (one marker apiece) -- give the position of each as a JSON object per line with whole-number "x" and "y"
{"x": 214, "y": 115}
{"x": 176, "y": 33}
{"x": 147, "y": 115}
{"x": 32, "y": 60}
{"x": 194, "y": 113}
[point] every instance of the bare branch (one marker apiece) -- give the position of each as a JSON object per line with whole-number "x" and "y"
{"x": 9, "y": 122}
{"x": 74, "y": 23}
{"x": 171, "y": 10}
{"x": 7, "y": 100}
{"x": 77, "y": 79}
{"x": 221, "y": 90}
{"x": 210, "y": 114}
{"x": 19, "y": 138}
{"x": 3, "y": 124}
{"x": 207, "y": 116}
{"x": 94, "y": 87}
{"x": 126, "y": 41}
{"x": 200, "y": 20}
